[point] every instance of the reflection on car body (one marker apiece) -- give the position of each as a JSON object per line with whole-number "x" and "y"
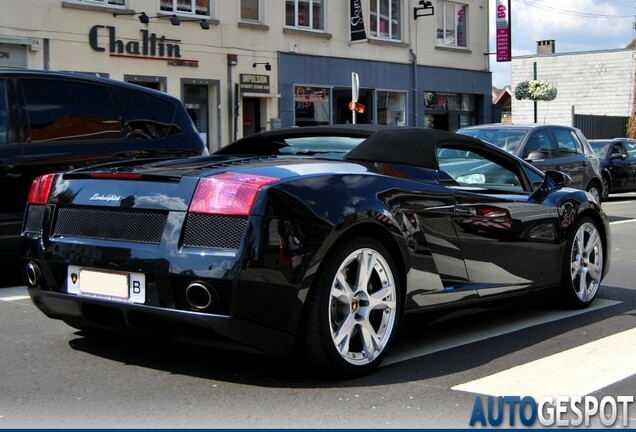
{"x": 263, "y": 249}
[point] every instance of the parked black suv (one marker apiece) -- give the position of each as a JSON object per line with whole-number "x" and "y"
{"x": 548, "y": 147}
{"x": 51, "y": 121}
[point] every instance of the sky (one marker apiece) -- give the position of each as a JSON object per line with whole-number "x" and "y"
{"x": 574, "y": 25}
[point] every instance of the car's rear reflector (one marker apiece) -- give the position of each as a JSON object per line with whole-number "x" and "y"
{"x": 228, "y": 194}
{"x": 40, "y": 189}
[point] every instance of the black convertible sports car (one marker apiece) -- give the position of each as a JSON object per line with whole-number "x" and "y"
{"x": 314, "y": 240}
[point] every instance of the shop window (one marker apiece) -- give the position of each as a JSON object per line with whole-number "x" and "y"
{"x": 451, "y": 24}
{"x": 69, "y": 111}
{"x": 385, "y": 19}
{"x": 391, "y": 108}
{"x": 311, "y": 106}
{"x": 102, "y": 2}
{"x": 250, "y": 10}
{"x": 306, "y": 14}
{"x": 187, "y": 7}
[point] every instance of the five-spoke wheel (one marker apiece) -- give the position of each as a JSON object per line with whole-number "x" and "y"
{"x": 355, "y": 308}
{"x": 583, "y": 266}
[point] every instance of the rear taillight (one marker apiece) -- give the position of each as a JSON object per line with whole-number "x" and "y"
{"x": 228, "y": 194}
{"x": 40, "y": 189}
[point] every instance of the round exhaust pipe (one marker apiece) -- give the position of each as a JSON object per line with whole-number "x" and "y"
{"x": 33, "y": 274}
{"x": 199, "y": 295}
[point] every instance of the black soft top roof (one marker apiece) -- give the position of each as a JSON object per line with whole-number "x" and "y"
{"x": 387, "y": 144}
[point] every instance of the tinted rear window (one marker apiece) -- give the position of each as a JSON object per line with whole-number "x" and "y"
{"x": 147, "y": 116}
{"x": 65, "y": 110}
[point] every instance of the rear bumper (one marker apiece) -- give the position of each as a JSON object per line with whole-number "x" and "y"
{"x": 212, "y": 330}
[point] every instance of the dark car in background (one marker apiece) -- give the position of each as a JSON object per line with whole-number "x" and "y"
{"x": 53, "y": 121}
{"x": 316, "y": 240}
{"x": 618, "y": 164}
{"x": 548, "y": 147}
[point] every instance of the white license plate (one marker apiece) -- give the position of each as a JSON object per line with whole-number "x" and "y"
{"x": 127, "y": 287}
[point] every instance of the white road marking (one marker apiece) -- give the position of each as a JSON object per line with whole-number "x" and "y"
{"x": 576, "y": 372}
{"x": 431, "y": 343}
{"x": 13, "y": 294}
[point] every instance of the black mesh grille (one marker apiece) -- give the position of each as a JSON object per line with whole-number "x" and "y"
{"x": 213, "y": 231}
{"x": 143, "y": 226}
{"x": 34, "y": 218}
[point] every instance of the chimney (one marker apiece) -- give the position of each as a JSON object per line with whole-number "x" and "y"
{"x": 546, "y": 46}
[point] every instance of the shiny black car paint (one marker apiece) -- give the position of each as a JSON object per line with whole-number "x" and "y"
{"x": 446, "y": 256}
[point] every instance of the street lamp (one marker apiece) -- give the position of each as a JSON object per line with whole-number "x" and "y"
{"x": 424, "y": 8}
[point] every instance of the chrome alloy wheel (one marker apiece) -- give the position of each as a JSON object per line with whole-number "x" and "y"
{"x": 363, "y": 308}
{"x": 586, "y": 262}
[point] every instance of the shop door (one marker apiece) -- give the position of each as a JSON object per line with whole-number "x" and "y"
{"x": 251, "y": 116}
{"x": 196, "y": 102}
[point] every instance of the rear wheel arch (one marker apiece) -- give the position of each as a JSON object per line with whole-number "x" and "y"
{"x": 595, "y": 184}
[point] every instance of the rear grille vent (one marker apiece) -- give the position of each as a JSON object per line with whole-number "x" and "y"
{"x": 214, "y": 231}
{"x": 142, "y": 226}
{"x": 35, "y": 218}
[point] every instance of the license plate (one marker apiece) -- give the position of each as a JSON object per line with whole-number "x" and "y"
{"x": 119, "y": 286}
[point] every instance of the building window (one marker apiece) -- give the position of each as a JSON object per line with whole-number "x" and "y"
{"x": 311, "y": 106}
{"x": 304, "y": 14}
{"x": 103, "y": 2}
{"x": 250, "y": 10}
{"x": 187, "y": 7}
{"x": 451, "y": 24}
{"x": 385, "y": 19}
{"x": 391, "y": 108}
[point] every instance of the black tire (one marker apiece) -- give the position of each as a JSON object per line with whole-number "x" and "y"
{"x": 583, "y": 263}
{"x": 606, "y": 187}
{"x": 349, "y": 328}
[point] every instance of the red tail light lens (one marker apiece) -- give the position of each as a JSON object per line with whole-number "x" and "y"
{"x": 40, "y": 189}
{"x": 228, "y": 194}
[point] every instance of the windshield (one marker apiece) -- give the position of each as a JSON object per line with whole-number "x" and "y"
{"x": 325, "y": 146}
{"x": 600, "y": 147}
{"x": 508, "y": 139}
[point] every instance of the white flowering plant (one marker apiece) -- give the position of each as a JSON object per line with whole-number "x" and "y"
{"x": 536, "y": 90}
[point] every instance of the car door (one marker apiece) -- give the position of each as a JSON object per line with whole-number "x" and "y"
{"x": 572, "y": 159}
{"x": 622, "y": 165}
{"x": 619, "y": 167}
{"x": 509, "y": 242}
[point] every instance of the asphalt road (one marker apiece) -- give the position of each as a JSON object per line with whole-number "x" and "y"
{"x": 52, "y": 376}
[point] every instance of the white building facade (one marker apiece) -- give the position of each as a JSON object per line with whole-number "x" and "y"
{"x": 242, "y": 66}
{"x": 599, "y": 83}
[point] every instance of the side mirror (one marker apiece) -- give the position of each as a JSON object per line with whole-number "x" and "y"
{"x": 553, "y": 180}
{"x": 617, "y": 156}
{"x": 535, "y": 156}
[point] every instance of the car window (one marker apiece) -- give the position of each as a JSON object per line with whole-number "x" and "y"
{"x": 541, "y": 142}
{"x": 66, "y": 110}
{"x": 146, "y": 116}
{"x": 535, "y": 178}
{"x": 508, "y": 139}
{"x": 3, "y": 113}
{"x": 631, "y": 149}
{"x": 568, "y": 142}
{"x": 600, "y": 147}
{"x": 468, "y": 168}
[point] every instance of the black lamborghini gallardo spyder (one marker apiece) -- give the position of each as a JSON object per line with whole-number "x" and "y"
{"x": 313, "y": 240}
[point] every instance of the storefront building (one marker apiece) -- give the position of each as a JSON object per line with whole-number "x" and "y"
{"x": 250, "y": 65}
